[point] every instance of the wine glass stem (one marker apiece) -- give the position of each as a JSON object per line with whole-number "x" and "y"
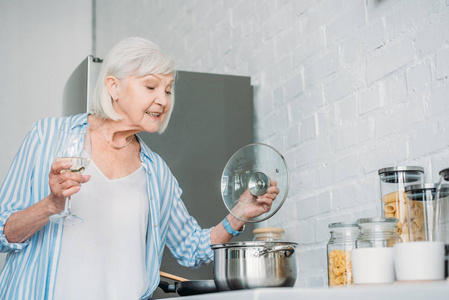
{"x": 68, "y": 205}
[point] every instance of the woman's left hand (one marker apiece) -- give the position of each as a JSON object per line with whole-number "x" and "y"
{"x": 250, "y": 206}
{"x": 247, "y": 208}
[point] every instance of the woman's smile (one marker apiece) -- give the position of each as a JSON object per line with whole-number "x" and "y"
{"x": 153, "y": 114}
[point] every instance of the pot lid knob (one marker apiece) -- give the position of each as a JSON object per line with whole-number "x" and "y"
{"x": 258, "y": 184}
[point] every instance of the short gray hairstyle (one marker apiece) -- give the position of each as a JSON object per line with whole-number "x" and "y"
{"x": 132, "y": 56}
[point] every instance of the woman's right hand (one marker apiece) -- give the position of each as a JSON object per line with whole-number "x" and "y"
{"x": 63, "y": 183}
{"x": 24, "y": 223}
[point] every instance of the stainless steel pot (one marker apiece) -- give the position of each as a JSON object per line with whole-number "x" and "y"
{"x": 247, "y": 265}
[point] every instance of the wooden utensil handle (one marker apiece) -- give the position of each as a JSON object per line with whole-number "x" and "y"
{"x": 171, "y": 276}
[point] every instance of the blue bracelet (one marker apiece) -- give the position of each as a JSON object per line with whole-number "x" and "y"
{"x": 230, "y": 230}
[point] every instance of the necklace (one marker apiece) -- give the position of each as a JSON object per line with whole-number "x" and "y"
{"x": 111, "y": 144}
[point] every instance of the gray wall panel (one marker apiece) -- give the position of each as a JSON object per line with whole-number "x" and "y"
{"x": 212, "y": 118}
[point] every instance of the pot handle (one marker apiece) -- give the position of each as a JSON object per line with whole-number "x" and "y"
{"x": 166, "y": 287}
{"x": 288, "y": 250}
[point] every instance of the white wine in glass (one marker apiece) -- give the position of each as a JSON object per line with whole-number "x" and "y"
{"x": 73, "y": 144}
{"x": 79, "y": 164}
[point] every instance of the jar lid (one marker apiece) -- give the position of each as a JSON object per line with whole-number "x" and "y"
{"x": 268, "y": 229}
{"x": 401, "y": 169}
{"x": 377, "y": 220}
{"x": 409, "y": 174}
{"x": 417, "y": 192}
{"x": 342, "y": 224}
{"x": 425, "y": 186}
{"x": 445, "y": 174}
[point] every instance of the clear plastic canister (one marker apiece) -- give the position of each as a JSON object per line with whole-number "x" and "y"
{"x": 393, "y": 181}
{"x": 339, "y": 247}
{"x": 268, "y": 234}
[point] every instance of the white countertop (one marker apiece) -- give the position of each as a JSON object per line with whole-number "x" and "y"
{"x": 396, "y": 291}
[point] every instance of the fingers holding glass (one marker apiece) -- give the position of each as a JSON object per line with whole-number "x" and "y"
{"x": 72, "y": 156}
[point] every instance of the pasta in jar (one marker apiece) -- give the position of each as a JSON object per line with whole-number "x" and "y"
{"x": 409, "y": 227}
{"x": 393, "y": 181}
{"x": 340, "y": 269}
{"x": 424, "y": 215}
{"x": 339, "y": 247}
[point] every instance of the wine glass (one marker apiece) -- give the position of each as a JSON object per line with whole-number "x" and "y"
{"x": 73, "y": 144}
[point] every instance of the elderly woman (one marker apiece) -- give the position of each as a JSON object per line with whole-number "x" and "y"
{"x": 129, "y": 199}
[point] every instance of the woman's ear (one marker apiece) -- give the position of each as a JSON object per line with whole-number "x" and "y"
{"x": 113, "y": 85}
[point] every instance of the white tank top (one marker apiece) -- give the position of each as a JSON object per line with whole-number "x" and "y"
{"x": 104, "y": 257}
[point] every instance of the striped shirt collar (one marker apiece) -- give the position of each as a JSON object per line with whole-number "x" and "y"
{"x": 145, "y": 151}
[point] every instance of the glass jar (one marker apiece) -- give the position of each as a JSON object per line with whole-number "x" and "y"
{"x": 377, "y": 232}
{"x": 393, "y": 181}
{"x": 373, "y": 258}
{"x": 268, "y": 234}
{"x": 426, "y": 214}
{"x": 339, "y": 247}
{"x": 442, "y": 214}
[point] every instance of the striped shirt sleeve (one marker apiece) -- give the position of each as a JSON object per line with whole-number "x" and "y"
{"x": 187, "y": 242}
{"x": 16, "y": 188}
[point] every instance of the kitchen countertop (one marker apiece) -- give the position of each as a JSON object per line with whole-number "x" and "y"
{"x": 399, "y": 290}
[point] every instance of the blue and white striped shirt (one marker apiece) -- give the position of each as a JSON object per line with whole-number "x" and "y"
{"x": 30, "y": 269}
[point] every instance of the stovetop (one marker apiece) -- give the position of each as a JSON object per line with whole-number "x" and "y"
{"x": 438, "y": 290}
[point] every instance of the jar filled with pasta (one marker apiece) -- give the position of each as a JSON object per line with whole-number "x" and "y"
{"x": 339, "y": 247}
{"x": 424, "y": 214}
{"x": 393, "y": 181}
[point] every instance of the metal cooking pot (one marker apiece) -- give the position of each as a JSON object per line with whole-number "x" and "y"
{"x": 247, "y": 265}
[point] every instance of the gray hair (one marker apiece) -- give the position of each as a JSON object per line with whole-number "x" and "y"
{"x": 132, "y": 56}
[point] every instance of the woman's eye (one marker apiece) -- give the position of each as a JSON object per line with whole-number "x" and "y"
{"x": 168, "y": 92}
{"x": 150, "y": 87}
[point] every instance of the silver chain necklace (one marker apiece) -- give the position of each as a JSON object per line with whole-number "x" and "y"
{"x": 111, "y": 144}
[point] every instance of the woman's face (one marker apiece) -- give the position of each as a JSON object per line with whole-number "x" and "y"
{"x": 144, "y": 101}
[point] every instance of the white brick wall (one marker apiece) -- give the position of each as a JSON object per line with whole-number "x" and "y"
{"x": 442, "y": 64}
{"x": 343, "y": 88}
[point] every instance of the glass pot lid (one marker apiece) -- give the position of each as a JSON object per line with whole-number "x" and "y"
{"x": 252, "y": 167}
